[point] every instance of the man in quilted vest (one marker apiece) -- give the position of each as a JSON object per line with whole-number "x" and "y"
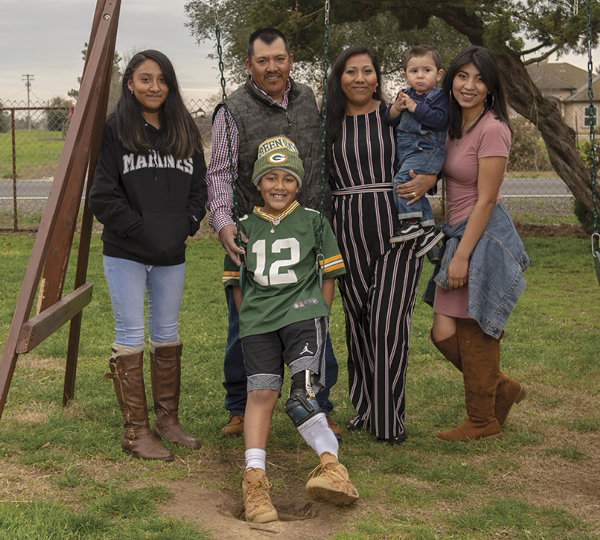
{"x": 269, "y": 103}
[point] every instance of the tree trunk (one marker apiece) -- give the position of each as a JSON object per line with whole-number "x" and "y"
{"x": 525, "y": 98}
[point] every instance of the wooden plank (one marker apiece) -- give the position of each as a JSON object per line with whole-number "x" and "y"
{"x": 36, "y": 330}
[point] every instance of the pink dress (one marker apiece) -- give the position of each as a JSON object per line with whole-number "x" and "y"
{"x": 489, "y": 138}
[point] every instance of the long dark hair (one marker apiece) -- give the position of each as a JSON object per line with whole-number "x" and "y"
{"x": 485, "y": 62}
{"x": 336, "y": 99}
{"x": 179, "y": 135}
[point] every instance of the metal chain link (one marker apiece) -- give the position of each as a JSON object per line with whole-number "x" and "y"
{"x": 227, "y": 127}
{"x": 593, "y": 116}
{"x": 323, "y": 141}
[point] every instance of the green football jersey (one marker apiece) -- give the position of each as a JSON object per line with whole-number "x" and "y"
{"x": 282, "y": 285}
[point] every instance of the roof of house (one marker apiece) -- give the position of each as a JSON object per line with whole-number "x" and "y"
{"x": 561, "y": 76}
{"x": 554, "y": 77}
{"x": 581, "y": 94}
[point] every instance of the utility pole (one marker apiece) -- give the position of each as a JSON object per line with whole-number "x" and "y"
{"x": 29, "y": 78}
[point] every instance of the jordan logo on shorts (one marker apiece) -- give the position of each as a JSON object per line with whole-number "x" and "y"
{"x": 306, "y": 349}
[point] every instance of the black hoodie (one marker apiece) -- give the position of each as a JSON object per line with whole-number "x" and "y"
{"x": 148, "y": 204}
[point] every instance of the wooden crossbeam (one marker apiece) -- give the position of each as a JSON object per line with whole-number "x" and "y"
{"x": 43, "y": 325}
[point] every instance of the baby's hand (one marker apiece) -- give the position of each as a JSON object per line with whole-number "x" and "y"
{"x": 409, "y": 103}
{"x": 398, "y": 105}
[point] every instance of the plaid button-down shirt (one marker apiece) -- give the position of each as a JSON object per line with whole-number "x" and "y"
{"x": 218, "y": 175}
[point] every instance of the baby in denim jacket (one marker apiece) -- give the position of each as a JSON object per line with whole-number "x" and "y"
{"x": 420, "y": 116}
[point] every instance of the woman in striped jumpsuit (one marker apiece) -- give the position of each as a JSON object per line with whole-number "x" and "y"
{"x": 380, "y": 287}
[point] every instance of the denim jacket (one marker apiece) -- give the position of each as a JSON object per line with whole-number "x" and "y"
{"x": 495, "y": 270}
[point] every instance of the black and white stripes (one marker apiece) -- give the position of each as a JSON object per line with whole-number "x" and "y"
{"x": 380, "y": 286}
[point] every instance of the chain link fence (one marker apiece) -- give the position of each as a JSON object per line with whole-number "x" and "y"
{"x": 32, "y": 137}
{"x": 31, "y": 141}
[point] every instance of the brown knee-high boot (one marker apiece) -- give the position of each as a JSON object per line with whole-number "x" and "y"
{"x": 128, "y": 377}
{"x": 165, "y": 365}
{"x": 480, "y": 357}
{"x": 508, "y": 391}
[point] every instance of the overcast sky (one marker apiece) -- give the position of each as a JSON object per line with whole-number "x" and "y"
{"x": 45, "y": 38}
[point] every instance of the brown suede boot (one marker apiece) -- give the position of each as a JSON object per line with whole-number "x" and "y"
{"x": 128, "y": 377}
{"x": 508, "y": 391}
{"x": 480, "y": 357}
{"x": 165, "y": 367}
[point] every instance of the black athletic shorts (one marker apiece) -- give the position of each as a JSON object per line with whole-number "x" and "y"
{"x": 300, "y": 346}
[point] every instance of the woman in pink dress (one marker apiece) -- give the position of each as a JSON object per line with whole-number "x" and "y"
{"x": 484, "y": 255}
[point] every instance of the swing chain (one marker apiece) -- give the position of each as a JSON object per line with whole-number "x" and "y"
{"x": 595, "y": 236}
{"x": 323, "y": 140}
{"x": 593, "y": 116}
{"x": 236, "y": 213}
{"x": 227, "y": 129}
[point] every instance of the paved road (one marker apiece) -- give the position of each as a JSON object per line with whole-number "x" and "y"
{"x": 512, "y": 187}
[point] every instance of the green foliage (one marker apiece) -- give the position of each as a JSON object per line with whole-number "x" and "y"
{"x": 385, "y": 31}
{"x": 57, "y": 120}
{"x": 527, "y": 152}
{"x": 4, "y": 120}
{"x": 585, "y": 151}
{"x": 549, "y": 24}
{"x": 115, "y": 81}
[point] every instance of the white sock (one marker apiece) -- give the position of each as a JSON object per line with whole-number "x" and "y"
{"x": 256, "y": 458}
{"x": 318, "y": 436}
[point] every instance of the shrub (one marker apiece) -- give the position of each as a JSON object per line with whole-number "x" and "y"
{"x": 4, "y": 121}
{"x": 584, "y": 218}
{"x": 527, "y": 152}
{"x": 58, "y": 119}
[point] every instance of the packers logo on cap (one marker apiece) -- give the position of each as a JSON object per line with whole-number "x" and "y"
{"x": 277, "y": 158}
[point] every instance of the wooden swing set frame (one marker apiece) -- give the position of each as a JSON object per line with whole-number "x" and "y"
{"x": 49, "y": 259}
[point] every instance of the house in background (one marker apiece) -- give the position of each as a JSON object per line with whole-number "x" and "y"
{"x": 567, "y": 86}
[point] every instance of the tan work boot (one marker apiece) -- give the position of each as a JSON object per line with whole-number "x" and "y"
{"x": 235, "y": 425}
{"x": 332, "y": 485}
{"x": 257, "y": 499}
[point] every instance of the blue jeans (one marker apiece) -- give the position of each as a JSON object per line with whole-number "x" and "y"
{"x": 235, "y": 383}
{"x": 423, "y": 155}
{"x": 128, "y": 282}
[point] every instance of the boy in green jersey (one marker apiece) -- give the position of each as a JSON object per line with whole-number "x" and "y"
{"x": 283, "y": 321}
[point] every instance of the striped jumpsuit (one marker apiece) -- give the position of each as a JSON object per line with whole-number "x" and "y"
{"x": 380, "y": 286}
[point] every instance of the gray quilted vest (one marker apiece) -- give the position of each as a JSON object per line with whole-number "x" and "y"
{"x": 257, "y": 119}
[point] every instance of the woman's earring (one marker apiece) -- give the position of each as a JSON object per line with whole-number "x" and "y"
{"x": 490, "y": 105}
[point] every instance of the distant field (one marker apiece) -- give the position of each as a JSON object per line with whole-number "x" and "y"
{"x": 37, "y": 153}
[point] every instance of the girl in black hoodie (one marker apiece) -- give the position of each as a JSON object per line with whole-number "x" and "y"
{"x": 149, "y": 192}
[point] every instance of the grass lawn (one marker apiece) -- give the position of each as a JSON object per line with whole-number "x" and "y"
{"x": 37, "y": 153}
{"x": 63, "y": 475}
